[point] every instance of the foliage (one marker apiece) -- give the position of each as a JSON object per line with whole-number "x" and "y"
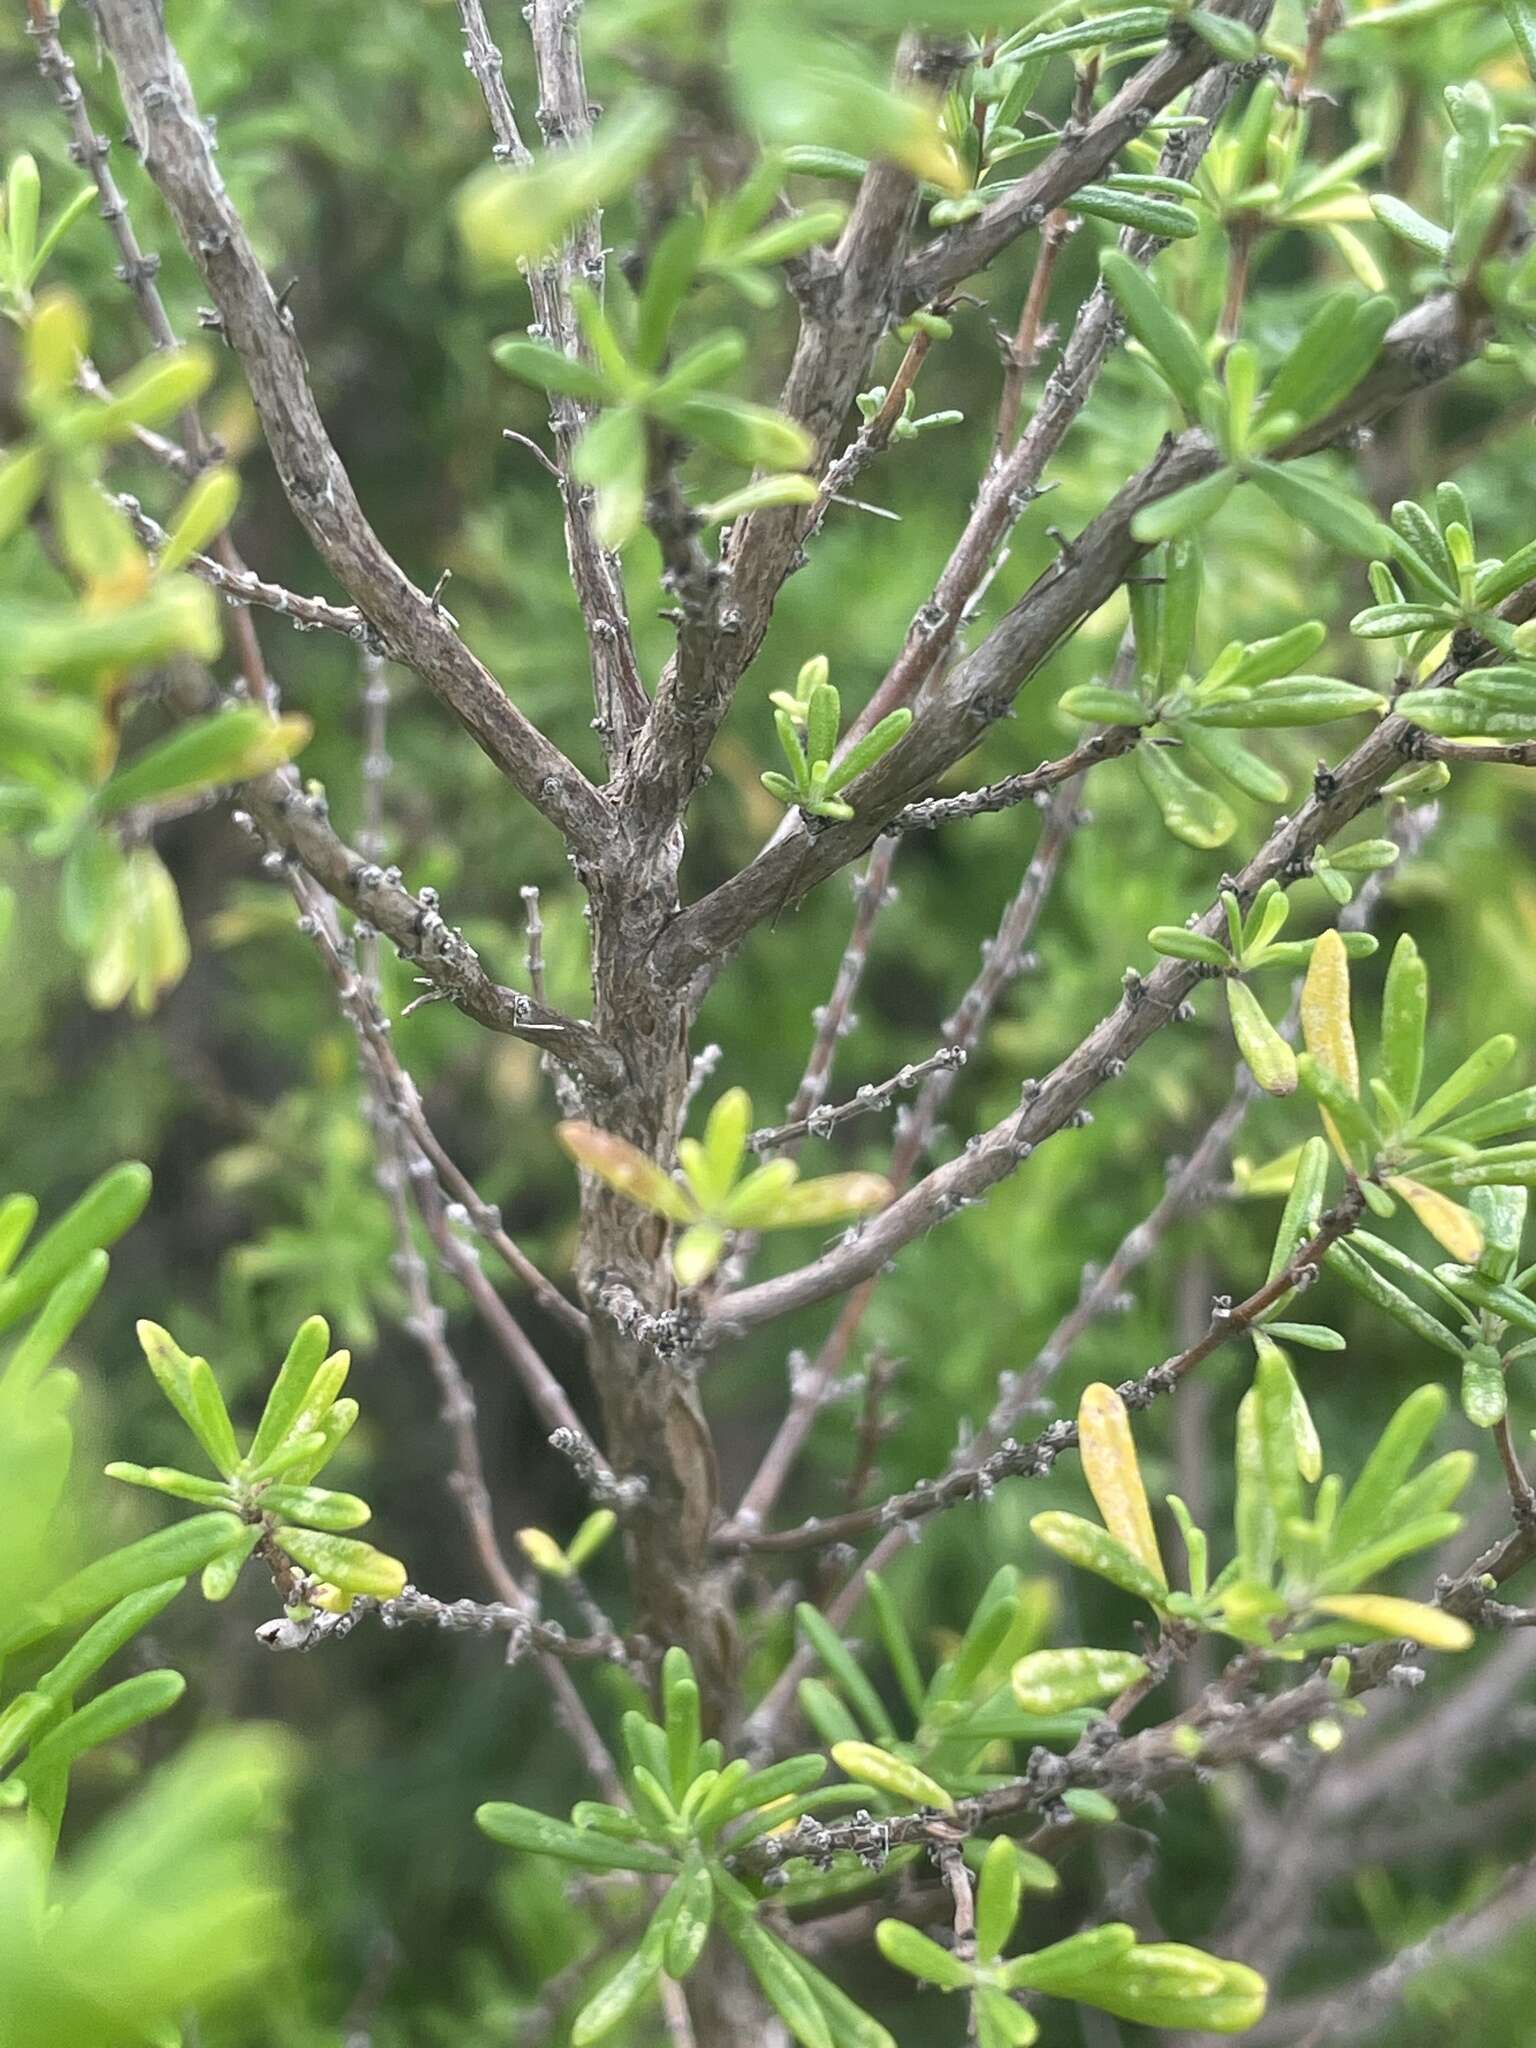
{"x": 1196, "y": 294}
{"x": 171, "y": 1900}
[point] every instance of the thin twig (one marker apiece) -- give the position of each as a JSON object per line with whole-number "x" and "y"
{"x": 871, "y": 1097}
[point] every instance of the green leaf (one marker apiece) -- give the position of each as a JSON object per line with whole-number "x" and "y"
{"x": 618, "y": 1996}
{"x": 540, "y": 1834}
{"x": 1000, "y": 2023}
{"x": 1494, "y": 1119}
{"x": 1303, "y": 1204}
{"x": 226, "y": 747}
{"x": 1253, "y": 1518}
{"x": 831, "y": 1198}
{"x": 1333, "y": 352}
{"x": 611, "y": 456}
{"x": 1500, "y": 1214}
{"x": 18, "y": 1213}
{"x": 550, "y": 369}
{"x": 1189, "y": 810}
{"x": 172, "y": 1553}
{"x": 907, "y": 1948}
{"x": 897, "y": 1642}
{"x": 864, "y": 753}
{"x": 1186, "y": 510}
{"x": 1395, "y": 621}
{"x": 747, "y": 433}
{"x": 1102, "y": 31}
{"x": 1391, "y": 1300}
{"x": 1165, "y": 337}
{"x": 1054, "y": 1681}
{"x": 344, "y": 1562}
{"x": 221, "y": 1574}
{"x": 1219, "y": 750}
{"x": 1522, "y": 26}
{"x": 1407, "y": 222}
{"x": 1323, "y": 508}
{"x": 53, "y": 1327}
{"x": 103, "y": 1719}
{"x": 104, "y": 1638}
{"x": 1233, "y": 40}
{"x": 152, "y": 393}
{"x": 506, "y": 217}
{"x": 200, "y": 518}
{"x": 290, "y": 1389}
{"x": 1095, "y": 704}
{"x": 1066, "y": 1966}
{"x": 1483, "y": 1399}
{"x": 1295, "y": 700}
{"x": 785, "y": 1984}
{"x": 1474, "y": 1074}
{"x": 23, "y": 198}
{"x": 1266, "y": 1054}
{"x": 841, "y": 1664}
{"x": 1241, "y": 667}
{"x": 1393, "y": 1458}
{"x": 1139, "y": 210}
{"x": 210, "y": 1418}
{"x": 998, "y": 1896}
{"x": 167, "y": 1480}
{"x": 669, "y": 273}
{"x": 754, "y": 1790}
{"x": 680, "y": 1695}
{"x": 1177, "y": 942}
{"x": 762, "y": 495}
{"x": 823, "y": 720}
{"x": 108, "y": 1207}
{"x": 23, "y": 473}
{"x": 689, "y": 1927}
{"x": 315, "y": 1507}
{"x": 1093, "y": 1549}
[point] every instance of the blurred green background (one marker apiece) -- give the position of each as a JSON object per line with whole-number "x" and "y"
{"x": 344, "y": 131}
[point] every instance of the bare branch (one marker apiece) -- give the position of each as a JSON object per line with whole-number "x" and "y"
{"x": 414, "y": 923}
{"x": 871, "y": 1097}
{"x": 452, "y": 1617}
{"x": 245, "y": 587}
{"x": 617, "y": 688}
{"x": 1029, "y": 786}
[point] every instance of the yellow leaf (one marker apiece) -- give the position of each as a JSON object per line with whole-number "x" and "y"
{"x": 1113, "y": 1472}
{"x": 887, "y": 1773}
{"x": 1325, "y": 1025}
{"x": 543, "y": 1552}
{"x": 1446, "y": 1221}
{"x": 626, "y": 1169}
{"x": 1430, "y": 1626}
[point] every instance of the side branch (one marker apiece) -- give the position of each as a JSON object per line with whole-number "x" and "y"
{"x": 1146, "y": 1006}
{"x": 1425, "y": 345}
{"x": 971, "y": 246}
{"x": 1035, "y": 1459}
{"x": 416, "y": 926}
{"x": 178, "y": 155}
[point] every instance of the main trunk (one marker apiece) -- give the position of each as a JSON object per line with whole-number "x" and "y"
{"x": 654, "y": 1424}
